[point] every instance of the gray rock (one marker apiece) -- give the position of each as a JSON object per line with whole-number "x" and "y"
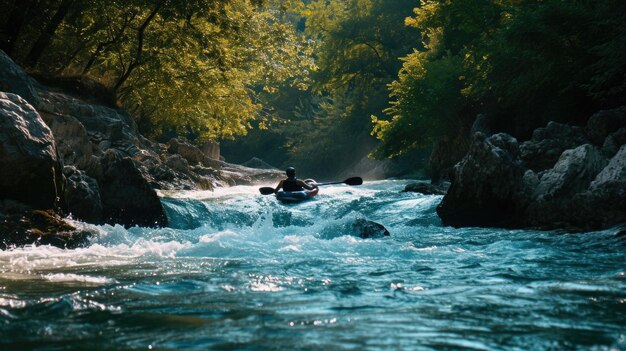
{"x": 613, "y": 142}
{"x": 573, "y": 173}
{"x": 423, "y": 187}
{"x": 82, "y": 196}
{"x": 14, "y": 80}
{"x": 547, "y": 144}
{"x": 189, "y": 152}
{"x": 72, "y": 141}
{"x": 486, "y": 184}
{"x": 615, "y": 171}
{"x": 360, "y": 227}
{"x": 482, "y": 124}
{"x": 368, "y": 229}
{"x": 31, "y": 171}
{"x": 177, "y": 163}
{"x": 127, "y": 197}
{"x": 603, "y": 123}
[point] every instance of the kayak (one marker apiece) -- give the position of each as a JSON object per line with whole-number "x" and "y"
{"x": 292, "y": 197}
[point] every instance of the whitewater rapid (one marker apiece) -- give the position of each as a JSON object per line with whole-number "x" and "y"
{"x": 238, "y": 270}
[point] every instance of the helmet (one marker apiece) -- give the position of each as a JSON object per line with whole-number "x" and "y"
{"x": 291, "y": 172}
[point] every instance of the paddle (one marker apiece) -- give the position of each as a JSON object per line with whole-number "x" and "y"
{"x": 350, "y": 181}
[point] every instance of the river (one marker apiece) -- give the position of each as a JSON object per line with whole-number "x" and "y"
{"x": 239, "y": 271}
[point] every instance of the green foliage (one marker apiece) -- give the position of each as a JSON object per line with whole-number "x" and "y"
{"x": 356, "y": 47}
{"x": 523, "y": 62}
{"x": 194, "y": 66}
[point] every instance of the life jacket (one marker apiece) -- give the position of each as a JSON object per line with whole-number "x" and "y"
{"x": 291, "y": 184}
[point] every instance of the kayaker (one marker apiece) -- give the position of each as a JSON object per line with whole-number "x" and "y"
{"x": 292, "y": 183}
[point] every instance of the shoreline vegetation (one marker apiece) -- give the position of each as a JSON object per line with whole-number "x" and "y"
{"x": 518, "y": 106}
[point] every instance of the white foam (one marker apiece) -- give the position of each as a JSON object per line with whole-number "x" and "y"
{"x": 69, "y": 277}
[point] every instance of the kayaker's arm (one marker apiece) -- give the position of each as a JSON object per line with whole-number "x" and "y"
{"x": 280, "y": 185}
{"x": 307, "y": 185}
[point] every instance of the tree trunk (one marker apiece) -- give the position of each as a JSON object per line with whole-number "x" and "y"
{"x": 45, "y": 38}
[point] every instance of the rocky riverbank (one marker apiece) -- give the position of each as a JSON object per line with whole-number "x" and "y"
{"x": 64, "y": 154}
{"x": 563, "y": 177}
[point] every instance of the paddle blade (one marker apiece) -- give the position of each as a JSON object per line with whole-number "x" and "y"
{"x": 266, "y": 190}
{"x": 354, "y": 181}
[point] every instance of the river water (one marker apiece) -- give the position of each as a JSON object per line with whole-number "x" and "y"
{"x": 239, "y": 271}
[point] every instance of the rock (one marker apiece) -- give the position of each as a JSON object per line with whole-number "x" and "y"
{"x": 553, "y": 204}
{"x": 72, "y": 141}
{"x": 483, "y": 124}
{"x": 82, "y": 196}
{"x": 615, "y": 171}
{"x": 547, "y": 144}
{"x": 360, "y": 227}
{"x": 445, "y": 155}
{"x": 257, "y": 163}
{"x": 486, "y": 184}
{"x": 102, "y": 123}
{"x": 423, "y": 187}
{"x": 603, "y": 205}
{"x": 14, "y": 80}
{"x": 189, "y": 152}
{"x": 39, "y": 228}
{"x": 177, "y": 163}
{"x": 603, "y": 123}
{"x": 127, "y": 197}
{"x": 573, "y": 173}
{"x": 368, "y": 229}
{"x": 31, "y": 171}
{"x": 613, "y": 142}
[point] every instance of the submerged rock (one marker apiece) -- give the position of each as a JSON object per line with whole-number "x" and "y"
{"x": 368, "y": 229}
{"x": 37, "y": 227}
{"x": 423, "y": 187}
{"x": 360, "y": 227}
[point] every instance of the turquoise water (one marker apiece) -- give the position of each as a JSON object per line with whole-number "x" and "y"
{"x": 239, "y": 271}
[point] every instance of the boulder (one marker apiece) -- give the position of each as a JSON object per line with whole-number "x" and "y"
{"x": 547, "y": 144}
{"x": 82, "y": 196}
{"x": 359, "y": 227}
{"x": 552, "y": 203}
{"x": 177, "y": 163}
{"x": 72, "y": 141}
{"x": 368, "y": 229}
{"x": 14, "y": 80}
{"x": 573, "y": 173}
{"x": 603, "y": 123}
{"x": 31, "y": 171}
{"x": 613, "y": 142}
{"x": 37, "y": 227}
{"x": 584, "y": 190}
{"x": 189, "y": 152}
{"x": 127, "y": 197}
{"x": 423, "y": 187}
{"x": 487, "y": 184}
